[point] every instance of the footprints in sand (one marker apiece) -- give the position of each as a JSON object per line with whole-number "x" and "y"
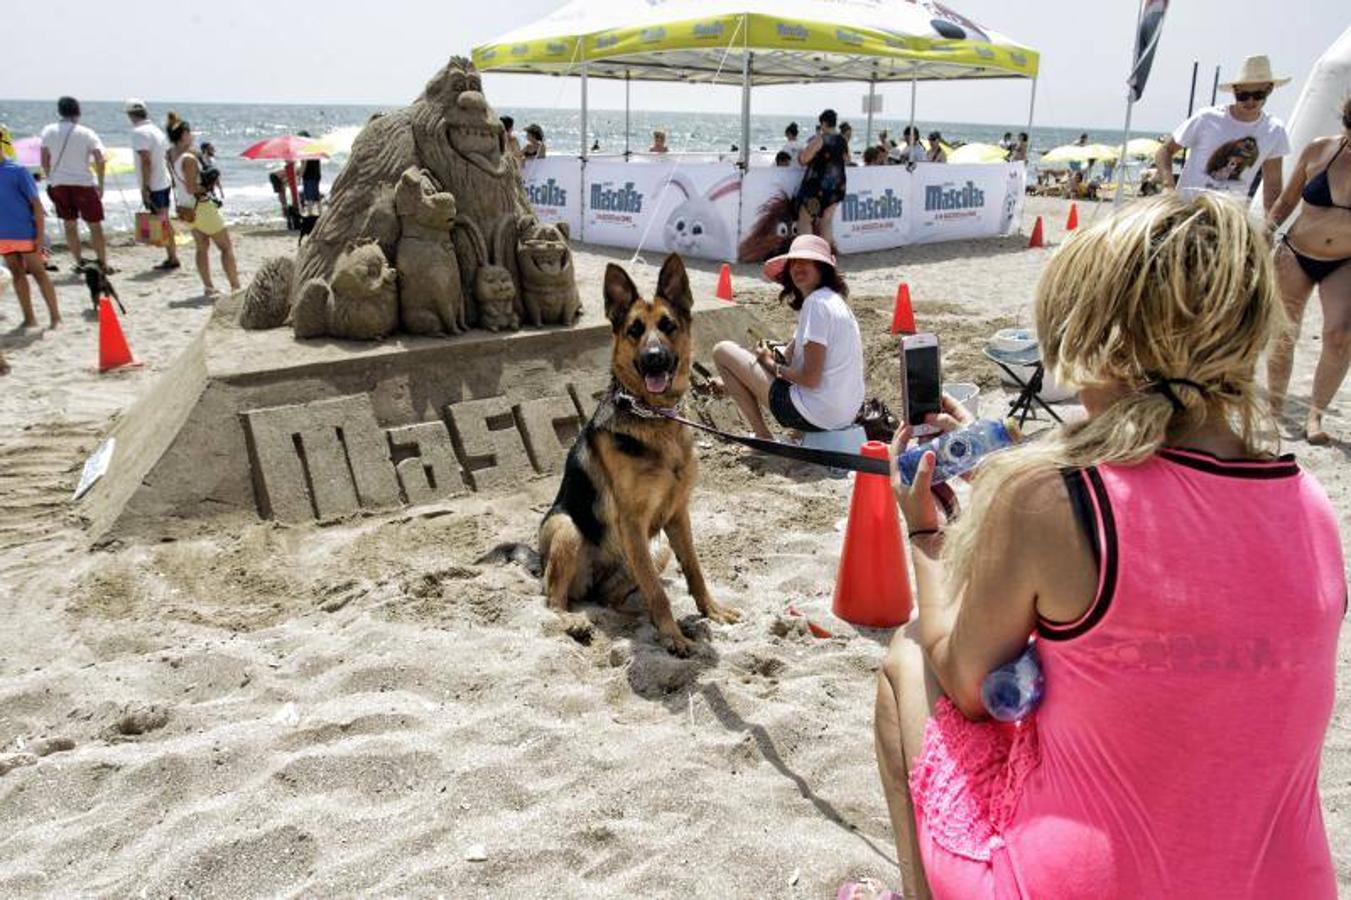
{"x": 38, "y": 470}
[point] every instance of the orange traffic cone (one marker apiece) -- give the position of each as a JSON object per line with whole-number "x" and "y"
{"x": 1073, "y": 221}
{"x": 902, "y": 315}
{"x": 873, "y": 587}
{"x": 113, "y": 349}
{"x": 1038, "y": 239}
{"x": 724, "y": 291}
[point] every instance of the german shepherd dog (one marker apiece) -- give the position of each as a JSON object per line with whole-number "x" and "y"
{"x": 629, "y": 475}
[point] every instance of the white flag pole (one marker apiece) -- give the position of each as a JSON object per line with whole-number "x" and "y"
{"x": 1130, "y": 102}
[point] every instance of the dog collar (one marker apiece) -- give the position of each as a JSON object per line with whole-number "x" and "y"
{"x": 627, "y": 402}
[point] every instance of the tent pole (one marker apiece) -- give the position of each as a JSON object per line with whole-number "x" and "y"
{"x": 585, "y": 145}
{"x": 914, "y": 80}
{"x": 872, "y": 94}
{"x": 626, "y": 115}
{"x": 1130, "y": 105}
{"x": 745, "y": 110}
{"x": 1031, "y": 107}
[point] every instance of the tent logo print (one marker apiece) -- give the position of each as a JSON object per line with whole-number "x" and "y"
{"x": 520, "y": 50}
{"x": 546, "y": 194}
{"x": 610, "y": 199}
{"x": 936, "y": 196}
{"x": 791, "y": 32}
{"x": 652, "y": 35}
{"x": 488, "y": 54}
{"x": 606, "y": 41}
{"x": 852, "y": 38}
{"x": 985, "y": 53}
{"x": 872, "y": 209}
{"x": 708, "y": 29}
{"x": 556, "y": 48}
{"x": 1019, "y": 59}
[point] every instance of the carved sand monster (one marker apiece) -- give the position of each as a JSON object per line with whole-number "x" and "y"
{"x": 453, "y": 138}
{"x": 542, "y": 264}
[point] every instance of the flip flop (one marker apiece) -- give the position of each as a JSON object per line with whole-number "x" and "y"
{"x": 168, "y": 264}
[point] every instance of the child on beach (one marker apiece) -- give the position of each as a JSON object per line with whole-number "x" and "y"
{"x": 1185, "y": 588}
{"x": 21, "y": 225}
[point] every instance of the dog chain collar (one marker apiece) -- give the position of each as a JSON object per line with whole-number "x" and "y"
{"x": 629, "y": 403}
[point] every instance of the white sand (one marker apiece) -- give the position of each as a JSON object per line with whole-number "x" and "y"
{"x": 359, "y": 708}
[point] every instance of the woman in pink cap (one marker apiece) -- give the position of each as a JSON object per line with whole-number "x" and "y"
{"x": 815, "y": 383}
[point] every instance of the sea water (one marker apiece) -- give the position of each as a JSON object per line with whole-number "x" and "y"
{"x": 249, "y": 199}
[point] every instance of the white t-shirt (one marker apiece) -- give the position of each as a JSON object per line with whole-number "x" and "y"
{"x": 1224, "y": 154}
{"x": 825, "y": 318}
{"x": 792, "y": 148}
{"x": 148, "y": 137}
{"x": 70, "y": 166}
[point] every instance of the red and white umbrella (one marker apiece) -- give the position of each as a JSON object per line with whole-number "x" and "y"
{"x": 288, "y": 147}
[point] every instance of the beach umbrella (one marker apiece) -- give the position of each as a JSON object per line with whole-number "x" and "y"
{"x": 339, "y": 140}
{"x": 28, "y": 152}
{"x": 978, "y": 153}
{"x": 1142, "y": 148}
{"x": 1080, "y": 153}
{"x": 288, "y": 148}
{"x": 118, "y": 161}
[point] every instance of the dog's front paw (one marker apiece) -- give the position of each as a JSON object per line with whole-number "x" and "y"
{"x": 676, "y": 644}
{"x": 723, "y": 615}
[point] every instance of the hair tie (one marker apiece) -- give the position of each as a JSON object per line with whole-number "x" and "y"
{"x": 1164, "y": 386}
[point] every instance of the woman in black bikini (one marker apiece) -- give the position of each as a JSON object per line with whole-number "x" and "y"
{"x": 822, "y": 187}
{"x": 1316, "y": 251}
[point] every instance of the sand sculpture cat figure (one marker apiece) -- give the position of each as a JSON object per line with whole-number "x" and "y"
{"x": 362, "y": 301}
{"x": 496, "y": 299}
{"x": 452, "y": 133}
{"x": 431, "y": 299}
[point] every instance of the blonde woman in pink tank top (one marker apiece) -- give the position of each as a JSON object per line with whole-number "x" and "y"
{"x": 1185, "y": 587}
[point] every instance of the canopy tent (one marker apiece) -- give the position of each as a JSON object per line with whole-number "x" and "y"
{"x": 758, "y": 42}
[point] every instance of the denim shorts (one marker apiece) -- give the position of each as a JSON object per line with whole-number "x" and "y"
{"x": 784, "y": 412}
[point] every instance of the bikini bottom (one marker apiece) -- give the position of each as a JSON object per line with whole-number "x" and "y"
{"x": 1316, "y": 269}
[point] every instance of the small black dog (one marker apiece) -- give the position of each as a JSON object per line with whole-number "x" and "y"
{"x": 99, "y": 286}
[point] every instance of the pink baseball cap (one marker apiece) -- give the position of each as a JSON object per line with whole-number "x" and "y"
{"x": 804, "y": 246}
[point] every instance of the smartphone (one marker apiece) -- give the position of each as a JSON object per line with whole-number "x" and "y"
{"x": 922, "y": 375}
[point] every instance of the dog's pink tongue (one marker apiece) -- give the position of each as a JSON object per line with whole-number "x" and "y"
{"x": 657, "y": 384}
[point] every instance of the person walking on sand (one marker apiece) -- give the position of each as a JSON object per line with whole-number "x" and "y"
{"x": 816, "y": 381}
{"x": 68, "y": 150}
{"x": 823, "y": 183}
{"x": 196, "y": 207}
{"x": 21, "y": 223}
{"x": 1184, "y": 585}
{"x": 150, "y": 150}
{"x": 1315, "y": 252}
{"x": 1228, "y": 145}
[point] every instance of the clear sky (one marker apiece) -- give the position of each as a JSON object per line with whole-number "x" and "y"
{"x": 381, "y": 52}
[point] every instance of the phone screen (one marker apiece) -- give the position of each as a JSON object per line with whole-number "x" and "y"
{"x": 922, "y": 386}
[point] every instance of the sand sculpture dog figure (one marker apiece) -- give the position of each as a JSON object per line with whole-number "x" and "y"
{"x": 431, "y": 300}
{"x": 541, "y": 265}
{"x": 628, "y": 476}
{"x": 362, "y": 302}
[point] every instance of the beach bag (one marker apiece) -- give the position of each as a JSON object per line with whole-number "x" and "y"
{"x": 153, "y": 228}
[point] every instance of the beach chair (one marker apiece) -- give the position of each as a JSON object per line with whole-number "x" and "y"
{"x": 1023, "y": 406}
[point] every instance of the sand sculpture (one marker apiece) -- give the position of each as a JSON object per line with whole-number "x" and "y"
{"x": 432, "y": 188}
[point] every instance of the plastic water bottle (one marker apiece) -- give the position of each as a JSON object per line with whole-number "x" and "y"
{"x": 1012, "y": 691}
{"x": 958, "y": 452}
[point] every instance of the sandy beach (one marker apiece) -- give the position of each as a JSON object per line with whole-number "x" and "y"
{"x": 360, "y": 708}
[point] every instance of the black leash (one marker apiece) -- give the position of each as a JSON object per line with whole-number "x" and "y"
{"x": 835, "y": 459}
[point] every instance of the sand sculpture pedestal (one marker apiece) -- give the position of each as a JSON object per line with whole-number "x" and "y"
{"x": 249, "y": 425}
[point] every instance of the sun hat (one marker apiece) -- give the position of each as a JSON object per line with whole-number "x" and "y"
{"x": 6, "y": 143}
{"x": 804, "y": 246}
{"x": 1255, "y": 70}
{"x": 134, "y": 105}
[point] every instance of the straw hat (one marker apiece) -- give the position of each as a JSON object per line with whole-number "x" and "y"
{"x": 804, "y": 246}
{"x": 1255, "y": 70}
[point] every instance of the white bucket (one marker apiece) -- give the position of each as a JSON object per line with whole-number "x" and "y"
{"x": 1012, "y": 340}
{"x": 966, "y": 394}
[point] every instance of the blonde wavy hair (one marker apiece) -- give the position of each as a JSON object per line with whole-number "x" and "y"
{"x": 1169, "y": 303}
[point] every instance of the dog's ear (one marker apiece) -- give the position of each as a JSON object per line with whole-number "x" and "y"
{"x": 673, "y": 285}
{"x": 620, "y": 294}
{"x": 564, "y": 230}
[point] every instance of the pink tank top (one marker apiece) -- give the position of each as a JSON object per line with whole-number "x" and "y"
{"x": 1186, "y": 710}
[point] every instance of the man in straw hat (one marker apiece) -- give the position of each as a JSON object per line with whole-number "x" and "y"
{"x": 1228, "y": 145}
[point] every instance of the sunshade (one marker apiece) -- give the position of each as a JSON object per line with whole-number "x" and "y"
{"x": 978, "y": 153}
{"x": 28, "y": 152}
{"x": 1142, "y": 148}
{"x": 288, "y": 147}
{"x": 1081, "y": 153}
{"x": 790, "y": 41}
{"x": 339, "y": 140}
{"x": 118, "y": 161}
